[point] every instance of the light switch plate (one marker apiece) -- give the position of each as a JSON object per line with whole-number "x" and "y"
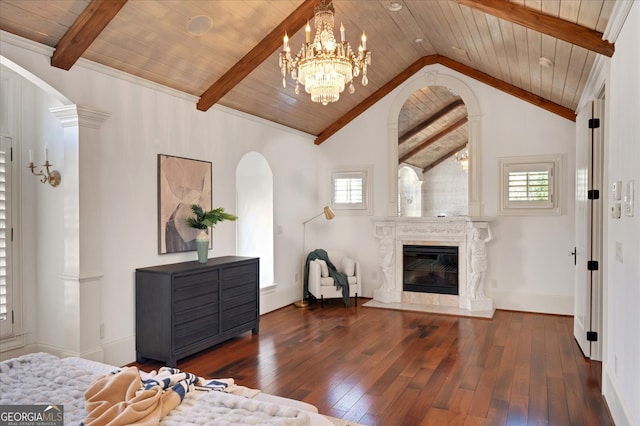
{"x": 616, "y": 209}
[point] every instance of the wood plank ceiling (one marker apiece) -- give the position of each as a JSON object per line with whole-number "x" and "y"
{"x": 235, "y": 62}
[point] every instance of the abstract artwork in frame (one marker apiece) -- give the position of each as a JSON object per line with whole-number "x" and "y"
{"x": 181, "y": 183}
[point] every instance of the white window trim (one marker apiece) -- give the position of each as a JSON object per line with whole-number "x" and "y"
{"x": 366, "y": 207}
{"x": 554, "y": 163}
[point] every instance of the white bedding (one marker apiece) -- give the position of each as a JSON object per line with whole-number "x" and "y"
{"x": 42, "y": 378}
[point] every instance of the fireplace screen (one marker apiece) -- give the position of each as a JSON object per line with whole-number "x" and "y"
{"x": 430, "y": 269}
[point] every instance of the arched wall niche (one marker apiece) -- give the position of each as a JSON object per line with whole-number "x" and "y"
{"x": 435, "y": 78}
{"x": 254, "y": 208}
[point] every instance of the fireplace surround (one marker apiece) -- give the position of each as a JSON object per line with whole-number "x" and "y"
{"x": 466, "y": 235}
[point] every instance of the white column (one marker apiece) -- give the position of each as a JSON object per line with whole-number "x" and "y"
{"x": 82, "y": 270}
{"x": 475, "y": 167}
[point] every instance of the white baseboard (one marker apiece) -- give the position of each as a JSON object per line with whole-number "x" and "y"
{"x": 531, "y": 302}
{"x": 617, "y": 407}
{"x": 120, "y": 352}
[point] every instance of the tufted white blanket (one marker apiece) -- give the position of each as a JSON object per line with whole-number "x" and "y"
{"x": 41, "y": 378}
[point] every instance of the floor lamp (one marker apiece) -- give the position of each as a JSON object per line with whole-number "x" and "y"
{"x": 328, "y": 214}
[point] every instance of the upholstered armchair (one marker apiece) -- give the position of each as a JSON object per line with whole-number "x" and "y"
{"x": 322, "y": 286}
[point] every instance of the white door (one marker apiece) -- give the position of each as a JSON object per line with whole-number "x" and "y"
{"x": 588, "y": 232}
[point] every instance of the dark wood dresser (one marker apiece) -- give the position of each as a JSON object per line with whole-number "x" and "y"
{"x": 183, "y": 308}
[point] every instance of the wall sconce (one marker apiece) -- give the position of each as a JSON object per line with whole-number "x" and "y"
{"x": 51, "y": 176}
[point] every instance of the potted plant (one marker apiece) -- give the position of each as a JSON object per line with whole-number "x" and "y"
{"x": 203, "y": 220}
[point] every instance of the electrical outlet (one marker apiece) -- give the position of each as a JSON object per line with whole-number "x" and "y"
{"x": 297, "y": 277}
{"x": 102, "y": 330}
{"x": 615, "y": 364}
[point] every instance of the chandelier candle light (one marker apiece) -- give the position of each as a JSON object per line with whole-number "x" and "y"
{"x": 325, "y": 66}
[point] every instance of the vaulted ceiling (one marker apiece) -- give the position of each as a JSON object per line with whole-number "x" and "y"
{"x": 235, "y": 62}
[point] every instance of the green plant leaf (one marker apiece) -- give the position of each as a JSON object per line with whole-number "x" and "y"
{"x": 203, "y": 220}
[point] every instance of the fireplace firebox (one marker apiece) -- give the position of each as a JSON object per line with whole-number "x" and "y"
{"x": 430, "y": 269}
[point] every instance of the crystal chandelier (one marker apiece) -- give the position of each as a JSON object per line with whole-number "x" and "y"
{"x": 462, "y": 157}
{"x": 325, "y": 66}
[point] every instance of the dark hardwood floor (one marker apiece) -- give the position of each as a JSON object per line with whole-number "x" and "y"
{"x": 385, "y": 367}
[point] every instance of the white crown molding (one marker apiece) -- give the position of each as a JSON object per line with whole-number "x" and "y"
{"x": 595, "y": 81}
{"x": 112, "y": 72}
{"x": 263, "y": 121}
{"x": 121, "y": 75}
{"x": 24, "y": 43}
{"x": 621, "y": 9}
{"x": 45, "y": 50}
{"x": 74, "y": 115}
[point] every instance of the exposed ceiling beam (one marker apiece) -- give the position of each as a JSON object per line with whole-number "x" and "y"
{"x": 257, "y": 55}
{"x": 432, "y": 139}
{"x": 546, "y": 24}
{"x": 508, "y": 88}
{"x": 429, "y": 121}
{"x": 375, "y": 97}
{"x": 93, "y": 19}
{"x": 449, "y": 63}
{"x": 444, "y": 157}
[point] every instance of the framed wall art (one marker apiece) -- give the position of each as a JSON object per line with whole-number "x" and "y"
{"x": 181, "y": 183}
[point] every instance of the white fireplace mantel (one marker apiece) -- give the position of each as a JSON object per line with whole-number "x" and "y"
{"x": 469, "y": 234}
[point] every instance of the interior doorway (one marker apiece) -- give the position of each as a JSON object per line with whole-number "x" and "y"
{"x": 589, "y": 229}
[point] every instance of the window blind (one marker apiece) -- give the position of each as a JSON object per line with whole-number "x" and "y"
{"x": 3, "y": 233}
{"x": 348, "y": 190}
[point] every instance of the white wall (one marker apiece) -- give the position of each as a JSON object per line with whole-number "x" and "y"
{"x": 529, "y": 267}
{"x": 621, "y": 367}
{"x": 145, "y": 121}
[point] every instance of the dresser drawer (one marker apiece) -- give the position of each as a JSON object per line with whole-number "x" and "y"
{"x": 238, "y": 315}
{"x": 246, "y": 272}
{"x": 194, "y": 314}
{"x": 194, "y": 331}
{"x": 192, "y": 291}
{"x": 243, "y": 293}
